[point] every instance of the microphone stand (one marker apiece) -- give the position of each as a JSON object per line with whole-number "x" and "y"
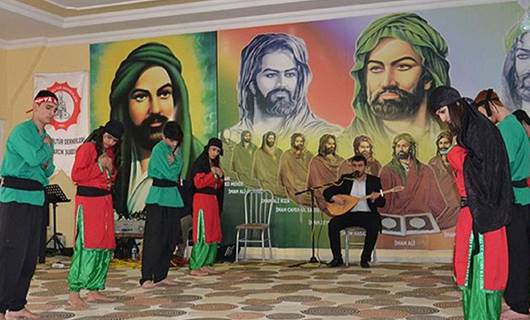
{"x": 311, "y": 190}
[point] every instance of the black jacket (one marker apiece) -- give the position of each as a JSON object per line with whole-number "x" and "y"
{"x": 345, "y": 183}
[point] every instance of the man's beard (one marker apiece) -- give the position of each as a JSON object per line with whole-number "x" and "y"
{"x": 278, "y": 103}
{"x": 328, "y": 151}
{"x": 443, "y": 151}
{"x": 146, "y": 136}
{"x": 522, "y": 86}
{"x": 299, "y": 147}
{"x": 366, "y": 154}
{"x": 402, "y": 155}
{"x": 356, "y": 174}
{"x": 270, "y": 144}
{"x": 398, "y": 109}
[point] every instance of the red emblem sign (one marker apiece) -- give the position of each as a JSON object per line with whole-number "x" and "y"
{"x": 69, "y": 105}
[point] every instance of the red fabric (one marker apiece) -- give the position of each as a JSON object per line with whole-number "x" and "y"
{"x": 421, "y": 194}
{"x": 495, "y": 242}
{"x": 210, "y": 207}
{"x": 98, "y": 212}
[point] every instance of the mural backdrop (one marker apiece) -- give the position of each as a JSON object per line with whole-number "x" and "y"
{"x": 293, "y": 103}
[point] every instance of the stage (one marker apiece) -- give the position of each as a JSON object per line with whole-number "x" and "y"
{"x": 255, "y": 290}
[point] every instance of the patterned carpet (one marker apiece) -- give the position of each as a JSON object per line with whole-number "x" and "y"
{"x": 262, "y": 291}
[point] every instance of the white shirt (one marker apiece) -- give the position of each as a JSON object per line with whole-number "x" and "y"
{"x": 358, "y": 190}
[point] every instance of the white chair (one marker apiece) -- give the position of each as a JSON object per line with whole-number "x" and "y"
{"x": 354, "y": 238}
{"x": 258, "y": 209}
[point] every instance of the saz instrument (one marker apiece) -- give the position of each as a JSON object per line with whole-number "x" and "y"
{"x": 349, "y": 201}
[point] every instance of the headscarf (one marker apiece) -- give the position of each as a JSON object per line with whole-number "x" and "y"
{"x": 114, "y": 128}
{"x": 425, "y": 41}
{"x": 442, "y": 96}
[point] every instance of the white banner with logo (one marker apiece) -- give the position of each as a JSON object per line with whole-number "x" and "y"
{"x": 70, "y": 126}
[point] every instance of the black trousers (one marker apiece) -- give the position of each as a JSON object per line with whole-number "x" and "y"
{"x": 20, "y": 229}
{"x": 161, "y": 235}
{"x": 366, "y": 220}
{"x": 518, "y": 234}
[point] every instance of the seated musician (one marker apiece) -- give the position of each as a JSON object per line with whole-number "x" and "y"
{"x": 364, "y": 214}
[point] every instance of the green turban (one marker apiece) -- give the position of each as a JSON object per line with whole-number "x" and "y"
{"x": 411, "y": 28}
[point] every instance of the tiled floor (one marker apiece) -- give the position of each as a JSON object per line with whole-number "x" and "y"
{"x": 263, "y": 291}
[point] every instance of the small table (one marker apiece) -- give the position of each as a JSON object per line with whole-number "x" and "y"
{"x": 130, "y": 236}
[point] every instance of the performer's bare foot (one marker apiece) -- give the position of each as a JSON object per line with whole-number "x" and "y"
{"x": 512, "y": 315}
{"x": 2, "y": 317}
{"x": 21, "y": 314}
{"x": 209, "y": 270}
{"x": 167, "y": 282}
{"x": 95, "y": 296}
{"x": 198, "y": 273}
{"x": 74, "y": 299}
{"x": 148, "y": 284}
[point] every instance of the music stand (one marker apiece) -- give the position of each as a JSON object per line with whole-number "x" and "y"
{"x": 313, "y": 260}
{"x": 55, "y": 195}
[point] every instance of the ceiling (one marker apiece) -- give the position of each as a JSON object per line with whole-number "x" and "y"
{"x": 54, "y": 22}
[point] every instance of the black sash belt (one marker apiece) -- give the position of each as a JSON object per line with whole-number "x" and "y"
{"x": 463, "y": 202}
{"x": 207, "y": 191}
{"x": 91, "y": 191}
{"x": 520, "y": 184}
{"x": 163, "y": 183}
{"x": 22, "y": 184}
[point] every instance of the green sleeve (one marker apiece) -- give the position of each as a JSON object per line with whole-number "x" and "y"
{"x": 33, "y": 154}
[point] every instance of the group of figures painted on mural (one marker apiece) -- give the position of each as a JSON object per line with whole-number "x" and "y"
{"x": 429, "y": 187}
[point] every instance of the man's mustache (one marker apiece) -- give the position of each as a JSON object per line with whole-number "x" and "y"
{"x": 154, "y": 118}
{"x": 402, "y": 155}
{"x": 391, "y": 89}
{"x": 273, "y": 95}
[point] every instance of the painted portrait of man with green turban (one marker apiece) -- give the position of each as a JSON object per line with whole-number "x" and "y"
{"x": 148, "y": 90}
{"x": 399, "y": 59}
